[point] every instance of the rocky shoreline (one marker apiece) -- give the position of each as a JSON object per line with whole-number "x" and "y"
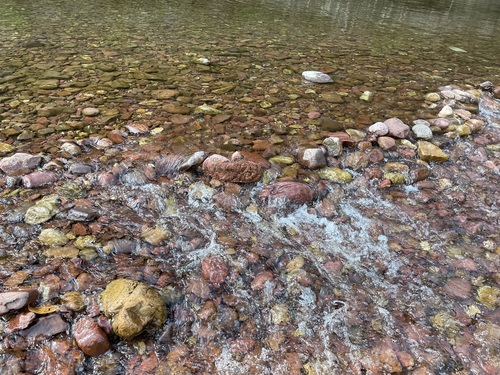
{"x": 90, "y": 227}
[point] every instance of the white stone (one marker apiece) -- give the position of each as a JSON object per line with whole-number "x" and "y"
{"x": 422, "y": 132}
{"x": 446, "y": 111}
{"x": 379, "y": 129}
{"x": 316, "y": 77}
{"x": 90, "y": 111}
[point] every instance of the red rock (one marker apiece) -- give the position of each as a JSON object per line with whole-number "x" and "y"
{"x": 294, "y": 192}
{"x": 376, "y": 155}
{"x": 261, "y": 145}
{"x": 244, "y": 171}
{"x": 47, "y": 326}
{"x": 250, "y": 156}
{"x": 214, "y": 269}
{"x": 20, "y": 321}
{"x": 58, "y": 357}
{"x": 386, "y": 143}
{"x": 90, "y": 338}
{"x": 397, "y": 128}
{"x": 38, "y": 179}
{"x": 458, "y": 287}
{"x": 107, "y": 179}
{"x": 419, "y": 173}
{"x": 259, "y": 281}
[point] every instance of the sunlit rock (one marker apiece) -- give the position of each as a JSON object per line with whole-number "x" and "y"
{"x": 90, "y": 338}
{"x": 42, "y": 211}
{"x": 133, "y": 306}
{"x": 429, "y": 152}
{"x": 294, "y": 192}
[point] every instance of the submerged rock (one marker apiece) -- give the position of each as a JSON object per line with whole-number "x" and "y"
{"x": 42, "y": 211}
{"x": 397, "y": 128}
{"x": 133, "y": 306}
{"x": 90, "y": 337}
{"x": 15, "y": 300}
{"x": 221, "y": 168}
{"x": 19, "y": 163}
{"x": 293, "y": 192}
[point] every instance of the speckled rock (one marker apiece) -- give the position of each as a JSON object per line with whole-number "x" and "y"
{"x": 312, "y": 158}
{"x": 378, "y": 129}
{"x": 335, "y": 175}
{"x": 334, "y": 146}
{"x": 17, "y": 299}
{"x": 52, "y": 237}
{"x": 133, "y": 306}
{"x": 19, "y": 163}
{"x": 422, "y": 132}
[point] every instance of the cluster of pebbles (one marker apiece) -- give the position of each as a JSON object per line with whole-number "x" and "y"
{"x": 61, "y": 225}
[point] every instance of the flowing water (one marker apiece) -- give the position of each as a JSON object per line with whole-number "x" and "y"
{"x": 375, "y": 287}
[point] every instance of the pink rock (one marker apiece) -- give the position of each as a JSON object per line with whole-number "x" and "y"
{"x": 107, "y": 179}
{"x": 38, "y": 179}
{"x": 16, "y": 299}
{"x": 90, "y": 338}
{"x": 294, "y": 192}
{"x": 221, "y": 168}
{"x": 386, "y": 143}
{"x": 242, "y": 345}
{"x": 458, "y": 287}
{"x": 397, "y": 128}
{"x": 441, "y": 123}
{"x": 250, "y": 156}
{"x": 19, "y": 163}
{"x": 313, "y": 115}
{"x": 214, "y": 270}
{"x": 375, "y": 155}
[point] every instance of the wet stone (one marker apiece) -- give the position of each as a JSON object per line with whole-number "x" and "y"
{"x": 312, "y": 158}
{"x": 52, "y": 237}
{"x": 221, "y": 168}
{"x": 293, "y": 192}
{"x": 335, "y": 175}
{"x": 378, "y": 129}
{"x": 316, "y": 77}
{"x": 19, "y": 163}
{"x": 46, "y": 327}
{"x": 397, "y": 128}
{"x": 38, "y": 179}
{"x": 20, "y": 321}
{"x": 42, "y": 211}
{"x": 133, "y": 306}
{"x": 90, "y": 111}
{"x": 16, "y": 300}
{"x": 214, "y": 270}
{"x": 79, "y": 169}
{"x": 82, "y": 213}
{"x": 422, "y": 132}
{"x": 429, "y": 152}
{"x": 333, "y": 145}
{"x": 90, "y": 338}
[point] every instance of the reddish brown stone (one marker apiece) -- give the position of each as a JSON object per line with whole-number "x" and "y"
{"x": 90, "y": 338}
{"x": 294, "y": 192}
{"x": 250, "y": 156}
{"x": 37, "y": 179}
{"x": 261, "y": 279}
{"x": 47, "y": 326}
{"x": 20, "y": 321}
{"x": 376, "y": 155}
{"x": 244, "y": 171}
{"x": 214, "y": 270}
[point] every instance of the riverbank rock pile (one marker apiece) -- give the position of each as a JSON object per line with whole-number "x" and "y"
{"x": 100, "y": 198}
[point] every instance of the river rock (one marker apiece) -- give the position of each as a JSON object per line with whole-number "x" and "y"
{"x": 5, "y": 148}
{"x": 293, "y": 192}
{"x": 52, "y": 237}
{"x": 90, "y": 338}
{"x": 20, "y": 321}
{"x": 357, "y": 160}
{"x": 38, "y": 179}
{"x": 42, "y": 211}
{"x": 90, "y": 111}
{"x": 429, "y": 152}
{"x": 316, "y": 77}
{"x": 15, "y": 300}
{"x": 46, "y": 326}
{"x": 378, "y": 129}
{"x": 19, "y": 163}
{"x": 335, "y": 175}
{"x": 133, "y": 306}
{"x": 446, "y": 111}
{"x": 334, "y": 146}
{"x": 422, "y": 132}
{"x": 312, "y": 158}
{"x": 82, "y": 213}
{"x": 193, "y": 161}
{"x": 221, "y": 168}
{"x": 397, "y": 128}
{"x": 71, "y": 148}
{"x": 214, "y": 270}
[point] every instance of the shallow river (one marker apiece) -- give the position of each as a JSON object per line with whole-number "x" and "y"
{"x": 362, "y": 280}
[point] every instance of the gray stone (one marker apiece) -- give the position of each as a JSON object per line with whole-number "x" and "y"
{"x": 312, "y": 158}
{"x": 316, "y": 77}
{"x": 422, "y": 132}
{"x": 334, "y": 146}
